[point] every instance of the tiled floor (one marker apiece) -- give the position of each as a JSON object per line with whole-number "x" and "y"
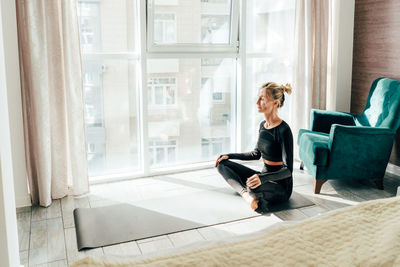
{"x": 47, "y": 235}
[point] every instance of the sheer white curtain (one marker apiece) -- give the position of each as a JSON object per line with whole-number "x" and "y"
{"x": 310, "y": 62}
{"x": 52, "y": 99}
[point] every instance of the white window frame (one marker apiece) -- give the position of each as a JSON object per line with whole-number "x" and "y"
{"x": 146, "y": 50}
{"x": 153, "y": 105}
{"x": 232, "y": 47}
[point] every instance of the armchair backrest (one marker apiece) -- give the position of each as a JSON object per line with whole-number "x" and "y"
{"x": 383, "y": 105}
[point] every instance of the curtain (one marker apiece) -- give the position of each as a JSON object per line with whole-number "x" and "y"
{"x": 310, "y": 62}
{"x": 52, "y": 99}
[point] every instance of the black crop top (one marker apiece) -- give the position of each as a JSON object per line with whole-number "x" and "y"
{"x": 274, "y": 144}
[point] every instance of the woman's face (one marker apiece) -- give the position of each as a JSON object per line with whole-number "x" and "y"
{"x": 265, "y": 104}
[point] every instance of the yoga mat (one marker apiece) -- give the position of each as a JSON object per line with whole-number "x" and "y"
{"x": 103, "y": 226}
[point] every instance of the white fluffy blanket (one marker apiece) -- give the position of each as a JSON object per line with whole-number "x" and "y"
{"x": 367, "y": 234}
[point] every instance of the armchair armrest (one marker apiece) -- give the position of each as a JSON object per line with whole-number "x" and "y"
{"x": 322, "y": 120}
{"x": 358, "y": 143}
{"x": 314, "y": 148}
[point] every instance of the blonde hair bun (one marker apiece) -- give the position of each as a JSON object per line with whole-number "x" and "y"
{"x": 277, "y": 92}
{"x": 287, "y": 88}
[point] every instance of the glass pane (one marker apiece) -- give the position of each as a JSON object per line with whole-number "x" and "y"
{"x": 150, "y": 94}
{"x": 159, "y": 95}
{"x": 160, "y": 155}
{"x": 107, "y": 25}
{"x": 215, "y": 29}
{"x": 217, "y": 96}
{"x": 217, "y": 147}
{"x": 111, "y": 116}
{"x": 151, "y": 155}
{"x": 205, "y": 149}
{"x": 195, "y": 116}
{"x": 170, "y": 96}
{"x": 171, "y": 154}
{"x": 270, "y": 29}
{"x": 158, "y": 31}
{"x": 269, "y": 26}
{"x": 192, "y": 22}
{"x": 257, "y": 70}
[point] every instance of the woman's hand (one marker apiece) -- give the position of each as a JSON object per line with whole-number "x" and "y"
{"x": 253, "y": 181}
{"x": 220, "y": 158}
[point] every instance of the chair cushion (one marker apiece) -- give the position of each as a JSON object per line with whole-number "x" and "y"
{"x": 313, "y": 147}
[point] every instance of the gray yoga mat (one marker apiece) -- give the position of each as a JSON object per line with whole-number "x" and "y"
{"x": 103, "y": 226}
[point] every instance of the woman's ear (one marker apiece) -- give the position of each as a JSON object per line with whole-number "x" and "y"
{"x": 276, "y": 103}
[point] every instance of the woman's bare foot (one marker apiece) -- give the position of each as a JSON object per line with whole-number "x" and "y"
{"x": 249, "y": 199}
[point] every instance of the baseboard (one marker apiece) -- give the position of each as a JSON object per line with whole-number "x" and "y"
{"x": 24, "y": 201}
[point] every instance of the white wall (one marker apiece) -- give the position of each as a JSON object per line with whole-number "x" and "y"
{"x": 9, "y": 255}
{"x": 13, "y": 94}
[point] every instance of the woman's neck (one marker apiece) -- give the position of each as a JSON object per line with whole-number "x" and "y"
{"x": 271, "y": 120}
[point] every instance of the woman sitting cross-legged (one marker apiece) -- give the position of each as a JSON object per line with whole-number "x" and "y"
{"x": 274, "y": 183}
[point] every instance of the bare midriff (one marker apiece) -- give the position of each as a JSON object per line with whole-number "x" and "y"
{"x": 272, "y": 163}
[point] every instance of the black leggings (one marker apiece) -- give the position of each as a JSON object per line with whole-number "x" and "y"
{"x": 273, "y": 192}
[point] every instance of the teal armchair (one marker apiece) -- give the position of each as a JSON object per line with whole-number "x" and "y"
{"x": 346, "y": 146}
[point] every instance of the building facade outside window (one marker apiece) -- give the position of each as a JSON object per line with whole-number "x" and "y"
{"x": 213, "y": 146}
{"x": 217, "y": 96}
{"x": 89, "y": 23}
{"x": 162, "y": 152}
{"x": 164, "y": 28}
{"x": 215, "y": 28}
{"x": 162, "y": 92}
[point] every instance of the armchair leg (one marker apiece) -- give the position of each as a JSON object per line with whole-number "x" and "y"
{"x": 379, "y": 183}
{"x": 317, "y": 185}
{"x": 301, "y": 165}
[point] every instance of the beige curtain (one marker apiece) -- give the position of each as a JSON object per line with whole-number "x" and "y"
{"x": 52, "y": 99}
{"x": 310, "y": 62}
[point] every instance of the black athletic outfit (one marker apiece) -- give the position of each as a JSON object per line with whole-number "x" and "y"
{"x": 276, "y": 145}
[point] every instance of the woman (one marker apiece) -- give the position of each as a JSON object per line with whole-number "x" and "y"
{"x": 274, "y": 183}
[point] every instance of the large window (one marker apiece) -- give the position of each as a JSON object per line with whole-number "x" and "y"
{"x": 162, "y": 79}
{"x": 107, "y": 33}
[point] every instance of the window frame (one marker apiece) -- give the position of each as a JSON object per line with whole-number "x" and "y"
{"x": 143, "y": 50}
{"x": 231, "y": 47}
